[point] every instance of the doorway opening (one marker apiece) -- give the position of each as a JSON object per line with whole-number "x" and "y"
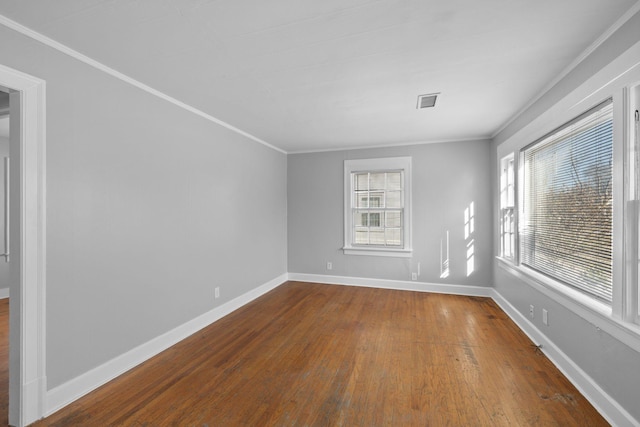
{"x": 4, "y": 258}
{"x": 27, "y": 376}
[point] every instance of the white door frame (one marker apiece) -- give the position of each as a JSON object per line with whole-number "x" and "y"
{"x": 27, "y": 400}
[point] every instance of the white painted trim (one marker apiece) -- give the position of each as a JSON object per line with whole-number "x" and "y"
{"x": 68, "y": 392}
{"x": 584, "y": 55}
{"x": 400, "y": 144}
{"x": 399, "y": 253}
{"x": 114, "y": 73}
{"x": 27, "y": 402}
{"x": 600, "y": 399}
{"x": 4, "y": 293}
{"x": 438, "y": 288}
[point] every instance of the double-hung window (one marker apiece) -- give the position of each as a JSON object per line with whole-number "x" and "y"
{"x": 566, "y": 205}
{"x": 507, "y": 208}
{"x": 378, "y": 206}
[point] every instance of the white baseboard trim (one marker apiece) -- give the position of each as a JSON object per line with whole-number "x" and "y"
{"x": 476, "y": 291}
{"x": 4, "y": 293}
{"x": 601, "y": 400}
{"x": 70, "y": 391}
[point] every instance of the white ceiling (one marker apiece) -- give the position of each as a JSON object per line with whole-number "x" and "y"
{"x": 313, "y": 75}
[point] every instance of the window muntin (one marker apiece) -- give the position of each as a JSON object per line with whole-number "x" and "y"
{"x": 566, "y": 224}
{"x": 507, "y": 208}
{"x": 377, "y": 206}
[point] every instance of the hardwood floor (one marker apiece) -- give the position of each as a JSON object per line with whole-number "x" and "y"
{"x": 320, "y": 355}
{"x": 4, "y": 361}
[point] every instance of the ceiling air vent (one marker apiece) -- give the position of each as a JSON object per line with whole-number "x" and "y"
{"x": 427, "y": 101}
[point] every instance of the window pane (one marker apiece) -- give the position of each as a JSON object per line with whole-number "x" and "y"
{"x": 361, "y": 181}
{"x": 393, "y": 236}
{"x": 394, "y": 199}
{"x": 510, "y": 184}
{"x": 394, "y": 181}
{"x": 374, "y": 219}
{"x": 362, "y": 236}
{"x": 508, "y": 232}
{"x": 376, "y": 200}
{"x": 507, "y": 184}
{"x": 567, "y": 233}
{"x": 394, "y": 219}
{"x": 361, "y": 219}
{"x": 377, "y": 181}
{"x": 362, "y": 199}
{"x": 376, "y": 237}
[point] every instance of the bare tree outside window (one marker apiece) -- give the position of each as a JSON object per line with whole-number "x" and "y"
{"x": 567, "y": 232}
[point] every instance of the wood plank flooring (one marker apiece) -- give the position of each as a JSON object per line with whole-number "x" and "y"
{"x": 321, "y": 355}
{"x": 4, "y": 361}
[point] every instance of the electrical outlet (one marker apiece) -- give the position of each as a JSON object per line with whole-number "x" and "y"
{"x": 545, "y": 316}
{"x": 217, "y": 292}
{"x": 329, "y": 266}
{"x": 531, "y": 308}
{"x": 414, "y": 276}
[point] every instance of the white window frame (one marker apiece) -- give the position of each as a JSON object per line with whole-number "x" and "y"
{"x": 630, "y": 304}
{"x": 389, "y": 164}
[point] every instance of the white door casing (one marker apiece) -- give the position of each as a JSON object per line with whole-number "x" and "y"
{"x": 27, "y": 390}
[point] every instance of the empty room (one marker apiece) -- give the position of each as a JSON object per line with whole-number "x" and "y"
{"x": 306, "y": 213}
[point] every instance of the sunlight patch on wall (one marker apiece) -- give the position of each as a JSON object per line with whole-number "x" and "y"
{"x": 444, "y": 256}
{"x": 470, "y": 257}
{"x": 469, "y": 229}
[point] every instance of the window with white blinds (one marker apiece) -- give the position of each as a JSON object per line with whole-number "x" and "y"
{"x": 566, "y": 227}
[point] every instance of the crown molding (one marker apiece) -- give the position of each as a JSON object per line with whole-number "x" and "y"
{"x": 125, "y": 78}
{"x": 401, "y": 144}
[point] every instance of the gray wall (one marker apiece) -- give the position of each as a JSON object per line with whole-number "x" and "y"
{"x": 4, "y": 267}
{"x": 446, "y": 179}
{"x": 149, "y": 207}
{"x": 613, "y": 365}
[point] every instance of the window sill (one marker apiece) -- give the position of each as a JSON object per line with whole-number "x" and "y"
{"x": 593, "y": 311}
{"x": 386, "y": 252}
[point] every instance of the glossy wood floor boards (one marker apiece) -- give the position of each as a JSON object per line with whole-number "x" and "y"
{"x": 4, "y": 361}
{"x": 321, "y": 355}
